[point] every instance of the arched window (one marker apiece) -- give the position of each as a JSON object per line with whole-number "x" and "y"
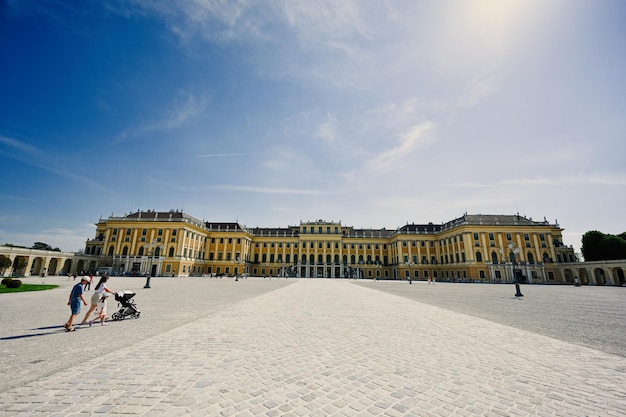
{"x": 140, "y": 251}
{"x": 336, "y": 259}
{"x": 369, "y": 259}
{"x": 272, "y": 258}
{"x": 494, "y": 257}
{"x": 157, "y": 251}
{"x": 361, "y": 259}
{"x": 327, "y": 259}
{"x": 479, "y": 257}
{"x": 256, "y": 258}
{"x": 125, "y": 251}
{"x": 303, "y": 258}
{"x": 352, "y": 259}
{"x": 546, "y": 258}
{"x": 111, "y": 251}
{"x": 345, "y": 259}
{"x": 319, "y": 259}
{"x": 288, "y": 258}
{"x": 171, "y": 252}
{"x": 531, "y": 258}
{"x": 264, "y": 257}
{"x": 312, "y": 258}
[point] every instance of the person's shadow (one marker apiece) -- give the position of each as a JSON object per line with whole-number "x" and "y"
{"x": 24, "y": 336}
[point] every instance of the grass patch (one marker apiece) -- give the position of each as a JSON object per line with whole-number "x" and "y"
{"x": 27, "y": 287}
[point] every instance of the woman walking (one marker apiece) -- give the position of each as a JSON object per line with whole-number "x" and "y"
{"x": 101, "y": 289}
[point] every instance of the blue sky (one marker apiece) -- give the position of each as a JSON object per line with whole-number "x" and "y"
{"x": 372, "y": 113}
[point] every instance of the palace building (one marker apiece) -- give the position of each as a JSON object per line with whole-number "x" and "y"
{"x": 480, "y": 248}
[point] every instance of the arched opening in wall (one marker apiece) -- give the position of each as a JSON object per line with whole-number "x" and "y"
{"x": 37, "y": 266}
{"x": 171, "y": 252}
{"x": 111, "y": 250}
{"x": 598, "y": 274}
{"x": 584, "y": 278}
{"x": 53, "y": 266}
{"x": 618, "y": 277}
{"x": 494, "y": 257}
{"x": 479, "y": 257}
{"x": 67, "y": 267}
{"x": 531, "y": 258}
{"x": 568, "y": 275}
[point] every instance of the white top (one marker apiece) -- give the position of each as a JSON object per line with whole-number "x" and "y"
{"x": 102, "y": 288}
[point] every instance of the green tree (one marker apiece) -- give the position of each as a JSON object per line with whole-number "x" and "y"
{"x": 41, "y": 246}
{"x": 598, "y": 246}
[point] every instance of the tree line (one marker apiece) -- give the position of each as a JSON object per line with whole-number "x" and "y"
{"x": 36, "y": 245}
{"x": 598, "y": 246}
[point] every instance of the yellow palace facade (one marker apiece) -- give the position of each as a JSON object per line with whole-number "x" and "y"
{"x": 482, "y": 248}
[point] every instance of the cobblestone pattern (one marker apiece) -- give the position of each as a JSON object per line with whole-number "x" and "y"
{"x": 331, "y": 348}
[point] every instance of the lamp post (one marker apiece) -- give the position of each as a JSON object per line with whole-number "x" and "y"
{"x": 514, "y": 251}
{"x": 151, "y": 248}
{"x": 238, "y": 262}
{"x": 513, "y": 254}
{"x": 408, "y": 265}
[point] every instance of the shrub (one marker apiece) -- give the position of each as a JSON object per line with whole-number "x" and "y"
{"x": 5, "y": 281}
{"x": 14, "y": 283}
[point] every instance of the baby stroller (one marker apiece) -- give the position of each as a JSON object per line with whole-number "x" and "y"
{"x": 128, "y": 309}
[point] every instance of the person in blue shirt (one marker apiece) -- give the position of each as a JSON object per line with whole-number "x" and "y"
{"x": 76, "y": 296}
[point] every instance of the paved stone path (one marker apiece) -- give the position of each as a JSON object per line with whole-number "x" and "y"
{"x": 332, "y": 348}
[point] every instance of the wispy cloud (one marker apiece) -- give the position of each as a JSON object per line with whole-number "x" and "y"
{"x": 418, "y": 136}
{"x": 218, "y": 155}
{"x": 184, "y": 107}
{"x": 32, "y": 156}
{"x": 265, "y": 190}
{"x": 19, "y": 145}
{"x": 572, "y": 179}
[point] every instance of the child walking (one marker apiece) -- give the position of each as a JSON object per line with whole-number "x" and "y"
{"x": 101, "y": 310}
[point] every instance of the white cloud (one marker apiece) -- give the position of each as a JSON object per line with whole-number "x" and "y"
{"x": 418, "y": 136}
{"x": 327, "y": 130}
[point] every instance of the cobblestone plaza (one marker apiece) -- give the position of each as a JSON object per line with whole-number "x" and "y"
{"x": 318, "y": 347}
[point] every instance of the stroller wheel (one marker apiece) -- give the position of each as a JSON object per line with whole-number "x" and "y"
{"x": 116, "y": 316}
{"x": 136, "y": 315}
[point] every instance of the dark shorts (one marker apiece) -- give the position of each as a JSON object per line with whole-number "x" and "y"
{"x": 75, "y": 306}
